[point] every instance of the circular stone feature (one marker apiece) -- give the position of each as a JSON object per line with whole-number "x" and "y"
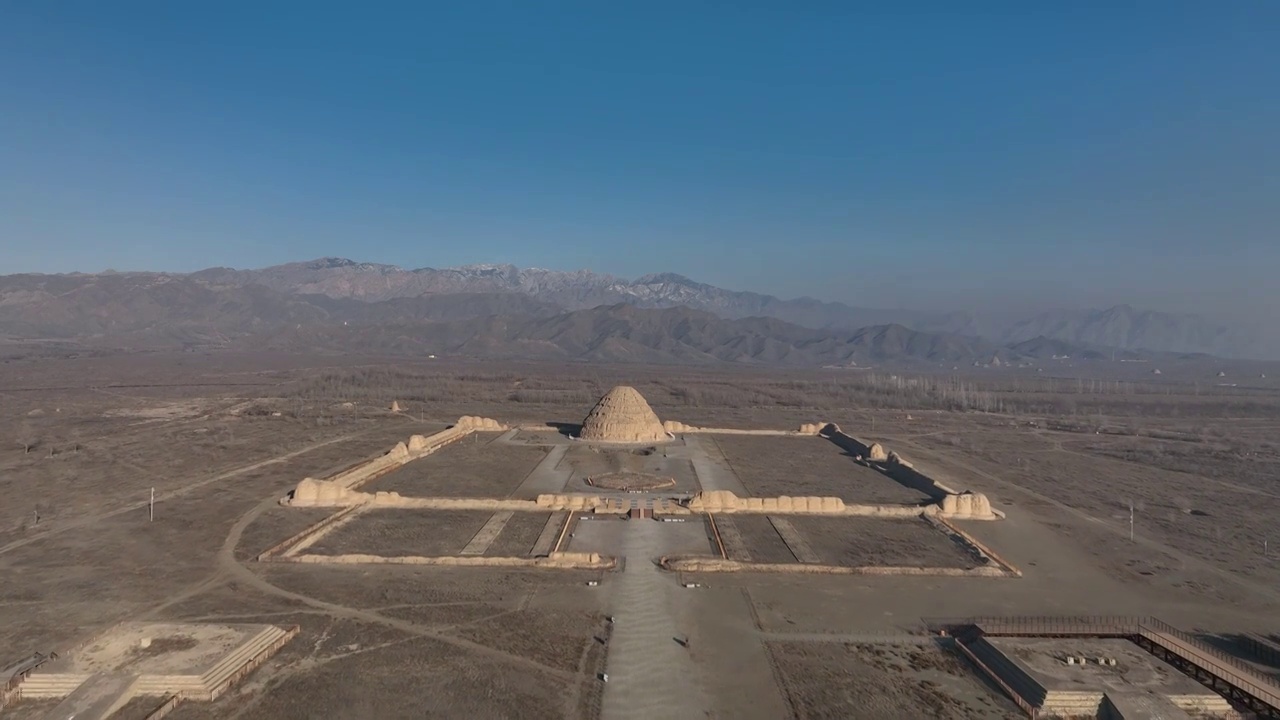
{"x": 623, "y": 416}
{"x": 630, "y": 481}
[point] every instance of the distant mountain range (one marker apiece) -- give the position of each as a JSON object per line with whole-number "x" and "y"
{"x": 503, "y": 311}
{"x": 577, "y": 290}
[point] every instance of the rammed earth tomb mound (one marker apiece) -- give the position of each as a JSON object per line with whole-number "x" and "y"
{"x": 622, "y": 416}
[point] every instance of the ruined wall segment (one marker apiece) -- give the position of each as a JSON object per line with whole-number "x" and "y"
{"x": 946, "y": 501}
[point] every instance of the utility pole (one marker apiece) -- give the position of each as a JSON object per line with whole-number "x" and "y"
{"x": 1130, "y": 521}
{"x": 151, "y": 506}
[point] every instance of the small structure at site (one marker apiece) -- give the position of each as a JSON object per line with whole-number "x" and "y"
{"x": 178, "y": 661}
{"x": 967, "y": 505}
{"x": 1093, "y": 677}
{"x": 395, "y": 406}
{"x": 622, "y": 416}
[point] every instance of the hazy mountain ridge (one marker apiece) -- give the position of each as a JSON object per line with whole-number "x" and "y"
{"x": 625, "y": 333}
{"x": 1119, "y": 327}
{"x": 1125, "y": 328}
{"x": 220, "y": 303}
{"x": 159, "y": 310}
{"x": 572, "y": 290}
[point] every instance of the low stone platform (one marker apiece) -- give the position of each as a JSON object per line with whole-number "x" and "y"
{"x": 1075, "y": 677}
{"x": 196, "y": 661}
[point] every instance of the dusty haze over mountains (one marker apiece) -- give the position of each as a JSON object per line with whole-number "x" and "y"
{"x": 502, "y": 310}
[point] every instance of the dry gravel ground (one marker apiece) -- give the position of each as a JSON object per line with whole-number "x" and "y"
{"x": 852, "y": 542}
{"x": 404, "y": 532}
{"x": 275, "y": 525}
{"x": 771, "y": 466}
{"x": 556, "y": 639}
{"x": 475, "y": 466}
{"x": 864, "y": 541}
{"x": 762, "y": 541}
{"x": 1183, "y": 519}
{"x": 884, "y": 682}
{"x": 393, "y": 642}
{"x": 391, "y": 678}
{"x": 519, "y": 535}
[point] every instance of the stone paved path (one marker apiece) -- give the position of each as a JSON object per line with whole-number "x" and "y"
{"x": 650, "y": 674}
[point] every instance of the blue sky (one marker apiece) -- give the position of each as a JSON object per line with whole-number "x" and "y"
{"x": 895, "y": 154}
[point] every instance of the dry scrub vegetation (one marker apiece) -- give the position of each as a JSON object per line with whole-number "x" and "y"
{"x": 882, "y": 681}
{"x": 678, "y": 389}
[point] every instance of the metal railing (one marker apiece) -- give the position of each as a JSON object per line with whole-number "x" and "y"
{"x": 1082, "y": 625}
{"x": 1229, "y": 669}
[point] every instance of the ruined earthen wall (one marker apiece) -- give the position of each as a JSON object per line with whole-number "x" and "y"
{"x": 396, "y": 500}
{"x": 561, "y": 560}
{"x": 363, "y": 473}
{"x": 299, "y": 536}
{"x": 576, "y": 502}
{"x": 982, "y": 547}
{"x": 676, "y": 427}
{"x": 339, "y": 489}
{"x": 848, "y": 443}
{"x": 475, "y": 422}
{"x": 725, "y": 501}
{"x": 324, "y": 493}
{"x": 707, "y": 564}
{"x": 948, "y": 501}
{"x": 916, "y": 480}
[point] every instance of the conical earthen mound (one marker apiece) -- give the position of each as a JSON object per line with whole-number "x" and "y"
{"x": 622, "y": 416}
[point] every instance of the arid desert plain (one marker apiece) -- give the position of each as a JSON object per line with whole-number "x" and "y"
{"x": 361, "y": 537}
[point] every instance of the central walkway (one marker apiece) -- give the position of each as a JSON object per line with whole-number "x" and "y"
{"x": 651, "y": 675}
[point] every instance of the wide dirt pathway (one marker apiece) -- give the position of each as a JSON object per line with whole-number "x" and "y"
{"x": 711, "y": 466}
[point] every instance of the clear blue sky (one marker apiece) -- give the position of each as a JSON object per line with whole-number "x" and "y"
{"x": 889, "y": 154}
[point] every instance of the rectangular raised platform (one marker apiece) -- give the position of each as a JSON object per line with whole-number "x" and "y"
{"x": 194, "y": 660}
{"x": 1071, "y": 676}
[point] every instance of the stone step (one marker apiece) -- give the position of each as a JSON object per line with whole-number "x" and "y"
{"x": 245, "y": 654}
{"x": 1072, "y": 703}
{"x": 1205, "y": 704}
{"x": 225, "y": 668}
{"x": 166, "y": 684}
{"x": 98, "y": 698}
{"x": 51, "y": 685}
